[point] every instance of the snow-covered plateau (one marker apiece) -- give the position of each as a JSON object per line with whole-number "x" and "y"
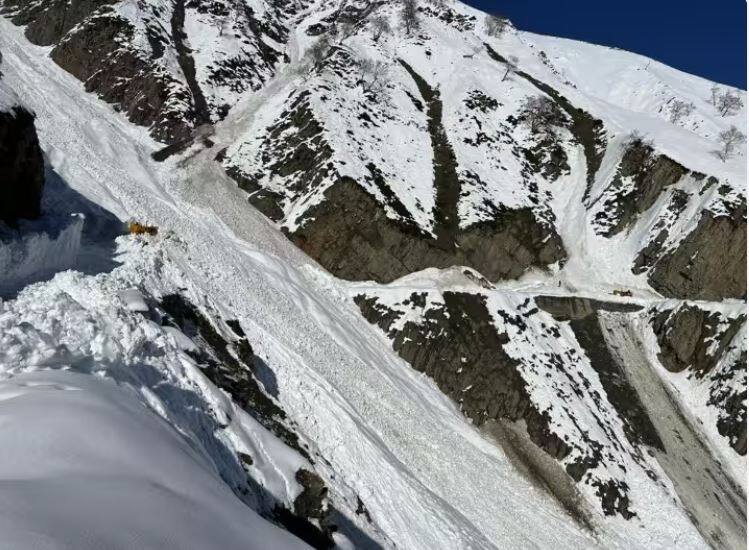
{"x": 287, "y": 274}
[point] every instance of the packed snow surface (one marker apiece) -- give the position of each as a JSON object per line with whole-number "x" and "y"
{"x": 101, "y": 470}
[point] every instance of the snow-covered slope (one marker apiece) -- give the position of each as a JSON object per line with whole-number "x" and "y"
{"x": 93, "y": 439}
{"x": 515, "y": 402}
{"x": 587, "y": 183}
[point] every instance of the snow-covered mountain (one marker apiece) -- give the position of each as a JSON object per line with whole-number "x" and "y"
{"x": 388, "y": 288}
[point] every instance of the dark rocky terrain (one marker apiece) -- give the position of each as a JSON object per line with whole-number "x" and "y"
{"x": 21, "y": 165}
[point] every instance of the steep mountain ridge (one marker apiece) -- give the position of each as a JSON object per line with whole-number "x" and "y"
{"x": 574, "y": 393}
{"x": 298, "y": 158}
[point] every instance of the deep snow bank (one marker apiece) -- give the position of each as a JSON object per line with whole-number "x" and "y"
{"x": 102, "y": 471}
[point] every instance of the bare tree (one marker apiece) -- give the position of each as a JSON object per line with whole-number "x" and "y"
{"x": 729, "y": 103}
{"x": 680, "y": 109}
{"x": 729, "y": 140}
{"x": 379, "y": 26}
{"x": 511, "y": 65}
{"x": 540, "y": 114}
{"x": 410, "y": 15}
{"x": 374, "y": 75}
{"x": 496, "y": 26}
{"x": 714, "y": 91}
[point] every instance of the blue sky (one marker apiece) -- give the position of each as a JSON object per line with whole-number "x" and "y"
{"x": 705, "y": 38}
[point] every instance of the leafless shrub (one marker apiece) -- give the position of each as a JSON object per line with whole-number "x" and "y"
{"x": 374, "y": 75}
{"x": 379, "y": 27}
{"x": 409, "y": 15}
{"x": 540, "y": 114}
{"x": 496, "y": 26}
{"x": 511, "y": 65}
{"x": 714, "y": 92}
{"x": 728, "y": 103}
{"x": 680, "y": 109}
{"x": 729, "y": 141}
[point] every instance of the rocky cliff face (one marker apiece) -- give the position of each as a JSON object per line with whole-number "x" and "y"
{"x": 382, "y": 249}
{"x": 710, "y": 262}
{"x": 708, "y": 346}
{"x": 21, "y": 165}
{"x": 170, "y": 66}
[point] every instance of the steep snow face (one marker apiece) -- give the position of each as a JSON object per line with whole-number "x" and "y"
{"x": 93, "y": 439}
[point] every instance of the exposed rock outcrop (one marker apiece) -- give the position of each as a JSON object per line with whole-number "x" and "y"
{"x": 460, "y": 348}
{"x": 230, "y": 365}
{"x": 95, "y": 44}
{"x": 100, "y": 54}
{"x": 709, "y": 263}
{"x": 139, "y": 58}
{"x": 653, "y": 250}
{"x": 699, "y": 341}
{"x": 350, "y": 235}
{"x": 48, "y": 21}
{"x": 692, "y": 338}
{"x": 641, "y": 178}
{"x": 21, "y": 167}
{"x": 731, "y": 422}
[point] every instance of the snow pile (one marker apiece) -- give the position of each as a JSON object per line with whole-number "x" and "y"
{"x": 102, "y": 471}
